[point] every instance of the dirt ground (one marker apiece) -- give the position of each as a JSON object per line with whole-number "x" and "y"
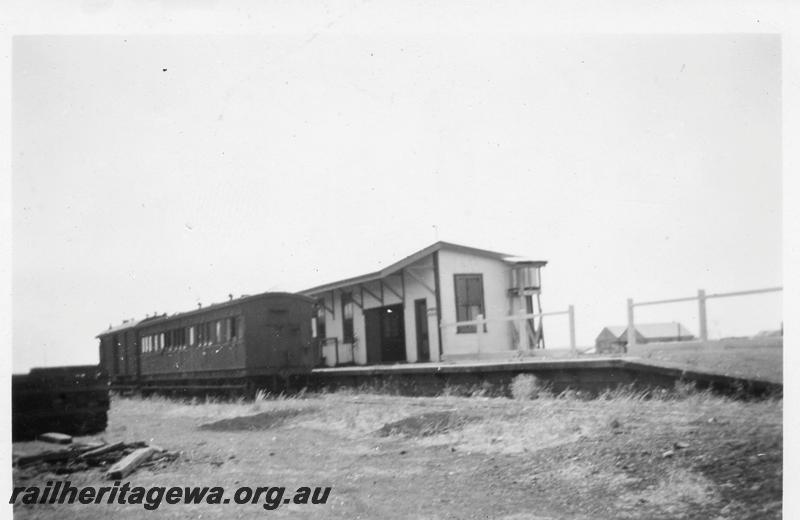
{"x": 620, "y": 456}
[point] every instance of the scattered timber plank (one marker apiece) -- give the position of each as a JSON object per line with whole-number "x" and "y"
{"x": 56, "y": 438}
{"x": 102, "y": 450}
{"x": 86, "y": 446}
{"x": 125, "y": 466}
{"x": 45, "y": 456}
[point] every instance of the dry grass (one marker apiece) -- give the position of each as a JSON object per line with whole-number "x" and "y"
{"x": 760, "y": 358}
{"x": 468, "y": 457}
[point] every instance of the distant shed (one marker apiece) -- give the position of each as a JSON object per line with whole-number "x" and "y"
{"x": 615, "y": 339}
{"x": 609, "y": 340}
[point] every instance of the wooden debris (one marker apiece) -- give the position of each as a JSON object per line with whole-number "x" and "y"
{"x": 86, "y": 446}
{"x": 45, "y": 456}
{"x": 126, "y": 466}
{"x": 102, "y": 450}
{"x": 123, "y": 457}
{"x": 56, "y": 438}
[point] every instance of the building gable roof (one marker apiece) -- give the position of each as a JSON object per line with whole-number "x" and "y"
{"x": 415, "y": 257}
{"x": 617, "y": 331}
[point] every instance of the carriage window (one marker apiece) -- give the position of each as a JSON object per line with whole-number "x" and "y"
{"x": 191, "y": 336}
{"x": 232, "y": 328}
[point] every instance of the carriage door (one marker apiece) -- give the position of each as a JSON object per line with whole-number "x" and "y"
{"x": 421, "y": 319}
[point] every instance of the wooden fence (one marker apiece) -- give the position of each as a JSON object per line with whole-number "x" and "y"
{"x": 701, "y": 301}
{"x": 521, "y": 320}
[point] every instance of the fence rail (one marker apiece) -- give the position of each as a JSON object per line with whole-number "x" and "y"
{"x": 521, "y": 319}
{"x": 701, "y": 301}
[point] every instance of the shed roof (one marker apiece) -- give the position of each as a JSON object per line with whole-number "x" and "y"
{"x": 415, "y": 257}
{"x": 615, "y": 330}
{"x": 662, "y": 330}
{"x": 672, "y": 329}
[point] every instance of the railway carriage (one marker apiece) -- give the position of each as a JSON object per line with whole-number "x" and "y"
{"x": 260, "y": 341}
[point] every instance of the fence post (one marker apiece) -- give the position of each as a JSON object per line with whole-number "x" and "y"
{"x": 701, "y": 303}
{"x": 571, "y": 311}
{"x": 631, "y": 329}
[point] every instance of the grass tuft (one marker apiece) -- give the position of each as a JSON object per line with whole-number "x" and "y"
{"x": 525, "y": 387}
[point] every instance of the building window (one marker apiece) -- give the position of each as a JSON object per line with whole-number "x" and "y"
{"x": 469, "y": 301}
{"x": 347, "y": 318}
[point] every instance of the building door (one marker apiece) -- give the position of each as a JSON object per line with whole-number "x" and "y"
{"x": 421, "y": 319}
{"x": 393, "y": 337}
{"x": 372, "y": 331}
{"x": 385, "y": 334}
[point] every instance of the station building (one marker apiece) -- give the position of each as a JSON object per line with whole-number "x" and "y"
{"x": 444, "y": 302}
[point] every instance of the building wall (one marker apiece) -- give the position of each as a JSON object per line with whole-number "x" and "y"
{"x": 415, "y": 291}
{"x": 606, "y": 337}
{"x": 406, "y": 285}
{"x": 334, "y": 328}
{"x": 607, "y": 342}
{"x": 496, "y": 280}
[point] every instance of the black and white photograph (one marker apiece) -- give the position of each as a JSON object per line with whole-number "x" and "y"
{"x": 378, "y": 260}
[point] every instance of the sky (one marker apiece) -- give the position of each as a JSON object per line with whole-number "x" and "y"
{"x": 153, "y": 172}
